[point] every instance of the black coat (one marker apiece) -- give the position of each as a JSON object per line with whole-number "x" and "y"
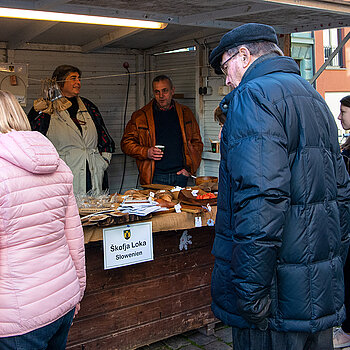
{"x": 283, "y": 222}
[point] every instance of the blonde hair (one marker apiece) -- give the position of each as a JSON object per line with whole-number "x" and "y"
{"x": 12, "y": 116}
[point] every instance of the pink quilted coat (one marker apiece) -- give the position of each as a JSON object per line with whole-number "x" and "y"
{"x": 42, "y": 261}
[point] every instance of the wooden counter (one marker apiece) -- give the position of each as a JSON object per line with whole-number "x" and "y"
{"x": 128, "y": 307}
{"x": 160, "y": 222}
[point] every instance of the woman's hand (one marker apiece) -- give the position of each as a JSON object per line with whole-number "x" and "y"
{"x": 77, "y": 309}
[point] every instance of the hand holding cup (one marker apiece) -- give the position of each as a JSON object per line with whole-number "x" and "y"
{"x": 156, "y": 152}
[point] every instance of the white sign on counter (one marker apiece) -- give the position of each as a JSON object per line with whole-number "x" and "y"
{"x": 127, "y": 245}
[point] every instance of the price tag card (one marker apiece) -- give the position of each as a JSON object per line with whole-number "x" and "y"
{"x": 210, "y": 222}
{"x": 194, "y": 193}
{"x": 178, "y": 208}
{"x": 197, "y": 221}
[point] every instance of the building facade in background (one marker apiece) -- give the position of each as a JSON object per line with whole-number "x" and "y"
{"x": 310, "y": 50}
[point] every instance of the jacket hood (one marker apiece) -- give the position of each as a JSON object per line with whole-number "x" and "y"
{"x": 29, "y": 150}
{"x": 264, "y": 65}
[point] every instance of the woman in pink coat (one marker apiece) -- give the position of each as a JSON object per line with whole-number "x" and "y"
{"x": 42, "y": 262}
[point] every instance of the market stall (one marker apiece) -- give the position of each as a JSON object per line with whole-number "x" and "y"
{"x": 131, "y": 306}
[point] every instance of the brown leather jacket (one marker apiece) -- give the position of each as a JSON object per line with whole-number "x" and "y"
{"x": 139, "y": 136}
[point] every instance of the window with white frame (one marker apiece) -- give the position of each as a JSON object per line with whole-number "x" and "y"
{"x": 331, "y": 39}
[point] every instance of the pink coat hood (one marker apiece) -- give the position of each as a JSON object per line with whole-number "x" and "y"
{"x": 42, "y": 261}
{"x": 30, "y": 151}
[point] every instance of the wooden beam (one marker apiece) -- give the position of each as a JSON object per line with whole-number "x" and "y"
{"x": 36, "y": 27}
{"x": 73, "y": 48}
{"x": 48, "y": 4}
{"x": 118, "y": 34}
{"x": 231, "y": 13}
{"x": 341, "y": 7}
{"x": 65, "y": 6}
{"x": 33, "y": 5}
{"x": 287, "y": 45}
{"x": 62, "y": 6}
{"x": 300, "y": 27}
{"x": 28, "y": 33}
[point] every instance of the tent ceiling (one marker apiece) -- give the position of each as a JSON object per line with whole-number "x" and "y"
{"x": 187, "y": 20}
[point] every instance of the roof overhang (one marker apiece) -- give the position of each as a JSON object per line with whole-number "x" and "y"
{"x": 187, "y": 20}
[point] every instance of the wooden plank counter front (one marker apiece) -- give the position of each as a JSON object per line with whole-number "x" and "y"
{"x": 132, "y": 306}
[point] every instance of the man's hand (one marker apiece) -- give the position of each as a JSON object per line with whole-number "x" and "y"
{"x": 183, "y": 172}
{"x": 154, "y": 153}
{"x": 255, "y": 312}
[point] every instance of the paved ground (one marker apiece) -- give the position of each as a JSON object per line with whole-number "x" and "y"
{"x": 194, "y": 340}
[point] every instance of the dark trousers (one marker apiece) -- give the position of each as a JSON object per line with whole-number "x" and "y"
{"x": 170, "y": 179}
{"x": 253, "y": 339}
{"x": 50, "y": 337}
{"x": 346, "y": 323}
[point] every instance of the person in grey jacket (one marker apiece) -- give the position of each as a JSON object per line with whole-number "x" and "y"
{"x": 283, "y": 221}
{"x": 77, "y": 131}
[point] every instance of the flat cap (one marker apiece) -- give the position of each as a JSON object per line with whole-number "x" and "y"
{"x": 244, "y": 34}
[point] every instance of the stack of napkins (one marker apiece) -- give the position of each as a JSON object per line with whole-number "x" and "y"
{"x": 141, "y": 207}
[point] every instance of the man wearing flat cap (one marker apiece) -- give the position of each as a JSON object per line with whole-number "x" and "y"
{"x": 283, "y": 221}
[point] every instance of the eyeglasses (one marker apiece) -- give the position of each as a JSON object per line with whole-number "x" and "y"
{"x": 222, "y": 66}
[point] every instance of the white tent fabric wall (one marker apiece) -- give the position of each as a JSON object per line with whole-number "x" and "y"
{"x": 181, "y": 68}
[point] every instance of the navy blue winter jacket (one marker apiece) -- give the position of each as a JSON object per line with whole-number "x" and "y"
{"x": 283, "y": 221}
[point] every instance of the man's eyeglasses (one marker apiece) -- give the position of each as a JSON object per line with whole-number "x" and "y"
{"x": 223, "y": 68}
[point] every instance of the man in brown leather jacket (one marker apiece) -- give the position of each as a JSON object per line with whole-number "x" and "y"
{"x": 164, "y": 122}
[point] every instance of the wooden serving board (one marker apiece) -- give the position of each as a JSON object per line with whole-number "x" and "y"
{"x": 191, "y": 209}
{"x": 170, "y": 210}
{"x": 158, "y": 187}
{"x": 88, "y": 211}
{"x": 114, "y": 218}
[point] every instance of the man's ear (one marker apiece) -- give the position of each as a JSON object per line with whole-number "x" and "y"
{"x": 246, "y": 57}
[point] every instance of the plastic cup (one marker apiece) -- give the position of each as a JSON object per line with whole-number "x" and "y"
{"x": 161, "y": 147}
{"x": 215, "y": 146}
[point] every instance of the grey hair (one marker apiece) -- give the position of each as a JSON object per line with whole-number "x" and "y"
{"x": 163, "y": 77}
{"x": 258, "y": 48}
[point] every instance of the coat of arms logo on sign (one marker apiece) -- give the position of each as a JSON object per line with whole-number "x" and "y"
{"x": 127, "y": 234}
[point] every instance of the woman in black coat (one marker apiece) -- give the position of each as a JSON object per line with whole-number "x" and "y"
{"x": 341, "y": 336}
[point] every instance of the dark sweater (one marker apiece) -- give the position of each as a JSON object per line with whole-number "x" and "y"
{"x": 168, "y": 134}
{"x": 73, "y": 110}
